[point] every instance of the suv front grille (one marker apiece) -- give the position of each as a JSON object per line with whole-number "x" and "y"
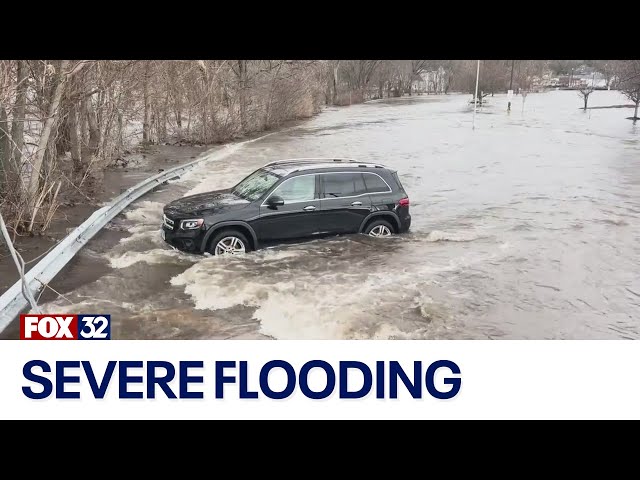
{"x": 167, "y": 222}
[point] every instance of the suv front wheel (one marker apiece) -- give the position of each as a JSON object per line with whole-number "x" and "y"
{"x": 229, "y": 242}
{"x": 379, "y": 228}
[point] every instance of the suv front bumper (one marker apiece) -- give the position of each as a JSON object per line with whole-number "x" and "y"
{"x": 185, "y": 240}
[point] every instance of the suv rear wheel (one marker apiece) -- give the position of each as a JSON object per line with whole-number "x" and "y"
{"x": 379, "y": 228}
{"x": 229, "y": 242}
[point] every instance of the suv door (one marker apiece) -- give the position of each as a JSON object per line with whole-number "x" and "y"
{"x": 297, "y": 217}
{"x": 344, "y": 201}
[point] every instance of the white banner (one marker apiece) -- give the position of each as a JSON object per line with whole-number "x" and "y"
{"x": 359, "y": 379}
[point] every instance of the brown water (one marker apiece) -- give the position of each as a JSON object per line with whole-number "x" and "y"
{"x": 527, "y": 227}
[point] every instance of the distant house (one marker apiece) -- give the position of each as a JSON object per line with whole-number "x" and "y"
{"x": 596, "y": 80}
{"x": 582, "y": 80}
{"x": 579, "y": 83}
{"x": 435, "y": 81}
{"x": 419, "y": 83}
{"x": 564, "y": 81}
{"x": 550, "y": 82}
{"x": 547, "y": 80}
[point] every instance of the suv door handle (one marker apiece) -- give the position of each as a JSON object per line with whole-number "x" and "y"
{"x": 356, "y": 204}
{"x": 309, "y": 208}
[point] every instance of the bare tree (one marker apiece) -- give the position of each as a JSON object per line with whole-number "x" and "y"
{"x": 358, "y": 75}
{"x": 242, "y": 75}
{"x": 526, "y": 71}
{"x": 418, "y": 68}
{"x": 584, "y": 92}
{"x": 146, "y": 123}
{"x": 49, "y": 121}
{"x": 334, "y": 81}
{"x": 493, "y": 75}
{"x": 177, "y": 96}
{"x": 564, "y": 67}
{"x": 383, "y": 78}
{"x": 628, "y": 72}
{"x": 6, "y": 85}
{"x": 17, "y": 127}
{"x": 5, "y": 146}
{"x": 402, "y": 77}
{"x": 492, "y": 78}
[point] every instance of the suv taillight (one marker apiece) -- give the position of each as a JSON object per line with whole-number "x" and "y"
{"x": 404, "y": 202}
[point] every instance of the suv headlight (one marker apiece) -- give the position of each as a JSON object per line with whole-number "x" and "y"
{"x": 191, "y": 224}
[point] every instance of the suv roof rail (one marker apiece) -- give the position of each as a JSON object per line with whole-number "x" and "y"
{"x": 342, "y": 167}
{"x": 318, "y": 159}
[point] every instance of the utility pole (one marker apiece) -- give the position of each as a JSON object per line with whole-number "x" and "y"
{"x": 511, "y": 84}
{"x": 475, "y": 103}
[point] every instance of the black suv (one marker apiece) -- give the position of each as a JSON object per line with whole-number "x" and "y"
{"x": 290, "y": 199}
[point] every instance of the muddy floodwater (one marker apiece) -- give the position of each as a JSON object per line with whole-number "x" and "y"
{"x": 527, "y": 227}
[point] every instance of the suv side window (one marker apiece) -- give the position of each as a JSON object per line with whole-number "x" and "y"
{"x": 347, "y": 184}
{"x": 375, "y": 184}
{"x": 297, "y": 189}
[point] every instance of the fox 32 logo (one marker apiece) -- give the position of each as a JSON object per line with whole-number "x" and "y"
{"x": 65, "y": 327}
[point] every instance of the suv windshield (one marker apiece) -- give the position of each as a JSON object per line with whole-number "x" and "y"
{"x": 255, "y": 185}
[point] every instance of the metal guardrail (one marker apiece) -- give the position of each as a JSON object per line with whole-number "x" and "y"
{"x": 13, "y": 301}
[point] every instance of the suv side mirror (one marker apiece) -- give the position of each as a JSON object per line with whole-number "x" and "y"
{"x": 275, "y": 201}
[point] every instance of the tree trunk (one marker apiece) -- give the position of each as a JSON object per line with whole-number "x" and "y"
{"x": 73, "y": 137}
{"x": 145, "y": 93}
{"x": 178, "y": 109}
{"x": 189, "y": 123}
{"x": 94, "y": 130}
{"x": 5, "y": 149}
{"x": 328, "y": 91}
{"x": 34, "y": 181}
{"x": 205, "y": 102}
{"x": 335, "y": 83}
{"x": 17, "y": 128}
{"x": 205, "y": 136}
{"x": 267, "y": 115}
{"x": 586, "y": 99}
{"x": 62, "y": 144}
{"x": 635, "y": 114}
{"x": 242, "y": 80}
{"x": 120, "y": 134}
{"x": 176, "y": 93}
{"x": 106, "y": 120}
{"x": 165, "y": 115}
{"x": 152, "y": 122}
